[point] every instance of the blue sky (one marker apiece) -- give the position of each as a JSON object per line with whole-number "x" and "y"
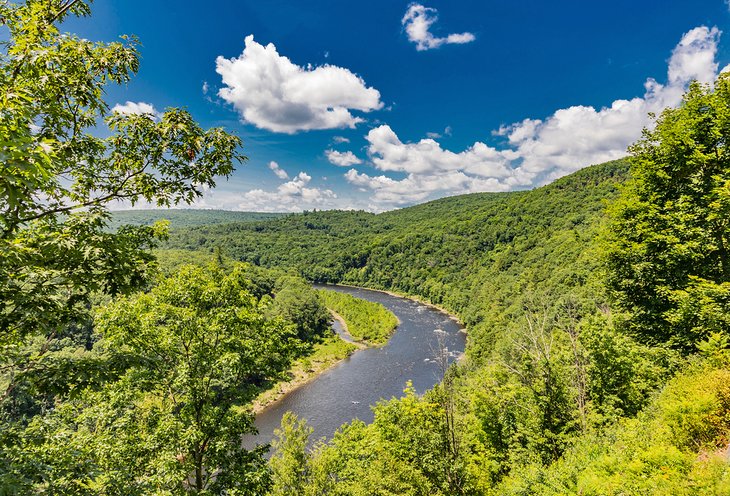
{"x": 383, "y": 104}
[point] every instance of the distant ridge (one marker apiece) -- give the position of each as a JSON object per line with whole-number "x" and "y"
{"x": 180, "y": 218}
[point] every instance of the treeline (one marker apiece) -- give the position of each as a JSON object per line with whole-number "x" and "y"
{"x": 366, "y": 320}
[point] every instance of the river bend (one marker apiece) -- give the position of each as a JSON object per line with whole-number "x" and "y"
{"x": 346, "y": 391}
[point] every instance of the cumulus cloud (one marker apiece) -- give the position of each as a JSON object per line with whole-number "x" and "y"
{"x": 271, "y": 92}
{"x": 389, "y": 153}
{"x": 388, "y": 192}
{"x": 577, "y": 136}
{"x": 417, "y": 22}
{"x": 430, "y": 169}
{"x": 291, "y": 196}
{"x": 280, "y": 173}
{"x": 140, "y": 108}
{"x": 343, "y": 159}
{"x": 536, "y": 151}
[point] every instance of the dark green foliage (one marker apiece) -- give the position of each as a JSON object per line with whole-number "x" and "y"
{"x": 296, "y": 302}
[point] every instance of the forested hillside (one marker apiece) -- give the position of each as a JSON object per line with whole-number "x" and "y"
{"x": 557, "y": 395}
{"x": 481, "y": 255}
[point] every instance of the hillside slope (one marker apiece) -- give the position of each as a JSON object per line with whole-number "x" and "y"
{"x": 473, "y": 254}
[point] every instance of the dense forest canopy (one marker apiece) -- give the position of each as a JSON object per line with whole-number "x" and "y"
{"x": 596, "y": 306}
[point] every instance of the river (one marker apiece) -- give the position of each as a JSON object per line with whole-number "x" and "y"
{"x": 346, "y": 391}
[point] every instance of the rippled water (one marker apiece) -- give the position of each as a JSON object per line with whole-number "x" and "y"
{"x": 346, "y": 391}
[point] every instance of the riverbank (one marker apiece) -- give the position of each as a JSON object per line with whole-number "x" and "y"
{"x": 331, "y": 352}
{"x": 348, "y": 390}
{"x": 325, "y": 355}
{"x": 345, "y": 332}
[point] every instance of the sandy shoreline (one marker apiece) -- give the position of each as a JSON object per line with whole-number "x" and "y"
{"x": 349, "y": 338}
{"x": 303, "y": 377}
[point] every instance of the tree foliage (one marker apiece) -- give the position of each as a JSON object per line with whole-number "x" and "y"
{"x": 669, "y": 265}
{"x": 172, "y": 421}
{"x": 59, "y": 175}
{"x": 296, "y": 302}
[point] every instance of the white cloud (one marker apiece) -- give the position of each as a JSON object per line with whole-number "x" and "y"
{"x": 340, "y": 139}
{"x": 271, "y": 92}
{"x": 140, "y": 108}
{"x": 388, "y": 153}
{"x": 537, "y": 150}
{"x": 292, "y": 196}
{"x": 694, "y": 57}
{"x": 389, "y": 193}
{"x": 418, "y": 21}
{"x": 280, "y": 173}
{"x": 430, "y": 170}
{"x": 343, "y": 159}
{"x": 577, "y": 136}
{"x": 205, "y": 87}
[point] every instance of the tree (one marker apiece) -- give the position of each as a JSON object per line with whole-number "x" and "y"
{"x": 173, "y": 423}
{"x": 59, "y": 176}
{"x": 668, "y": 262}
{"x": 297, "y": 302}
{"x": 289, "y": 463}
